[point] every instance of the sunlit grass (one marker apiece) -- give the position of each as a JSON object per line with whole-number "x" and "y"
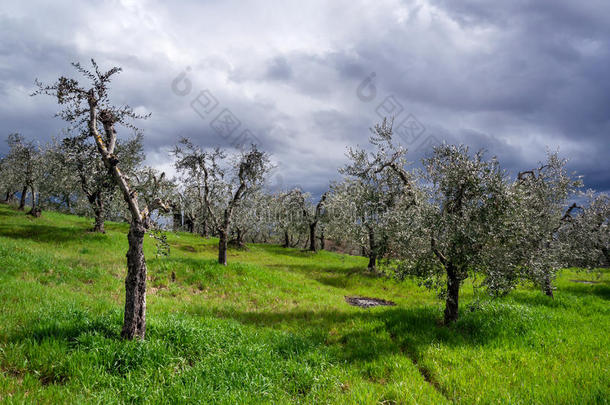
{"x": 273, "y": 326}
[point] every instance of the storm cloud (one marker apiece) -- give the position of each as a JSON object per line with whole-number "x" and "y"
{"x": 307, "y": 79}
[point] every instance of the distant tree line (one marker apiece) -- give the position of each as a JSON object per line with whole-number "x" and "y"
{"x": 460, "y": 216}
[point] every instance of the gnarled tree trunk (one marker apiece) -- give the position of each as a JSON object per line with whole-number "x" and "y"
{"x": 24, "y": 193}
{"x": 99, "y": 216}
{"x": 312, "y": 236}
{"x": 134, "y": 322}
{"x": 547, "y": 286}
{"x": 453, "y": 294}
{"x": 9, "y": 196}
{"x": 286, "y": 239}
{"x": 222, "y": 247}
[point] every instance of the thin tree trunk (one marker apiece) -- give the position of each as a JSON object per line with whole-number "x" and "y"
{"x": 240, "y": 237}
{"x": 190, "y": 224}
{"x": 22, "y": 200}
{"x": 453, "y": 295}
{"x": 547, "y": 286}
{"x": 35, "y": 210}
{"x": 176, "y": 220}
{"x": 99, "y": 216}
{"x": 322, "y": 240}
{"x": 222, "y": 247}
{"x": 134, "y": 324}
{"x": 286, "y": 239}
{"x": 33, "y": 198}
{"x": 312, "y": 236}
{"x": 372, "y": 262}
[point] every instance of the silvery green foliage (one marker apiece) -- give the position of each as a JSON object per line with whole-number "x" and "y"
{"x": 252, "y": 221}
{"x": 213, "y": 179}
{"x": 218, "y": 183}
{"x": 375, "y": 185}
{"x": 149, "y": 185}
{"x": 586, "y": 233}
{"x": 60, "y": 183}
{"x": 290, "y": 225}
{"x": 542, "y": 209}
{"x": 457, "y": 229}
{"x": 313, "y": 214}
{"x": 23, "y": 166}
{"x": 199, "y": 172}
{"x": 11, "y": 177}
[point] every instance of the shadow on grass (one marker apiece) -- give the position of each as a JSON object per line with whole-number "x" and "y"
{"x": 601, "y": 290}
{"x": 368, "y": 334}
{"x": 44, "y": 233}
{"x": 8, "y": 212}
{"x": 317, "y": 269}
{"x": 68, "y": 325}
{"x": 282, "y": 251}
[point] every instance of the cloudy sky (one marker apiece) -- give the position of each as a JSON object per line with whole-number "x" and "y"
{"x": 306, "y": 79}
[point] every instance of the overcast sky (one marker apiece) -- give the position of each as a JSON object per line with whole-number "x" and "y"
{"x": 307, "y": 78}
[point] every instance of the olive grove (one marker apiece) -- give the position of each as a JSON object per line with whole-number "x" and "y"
{"x": 457, "y": 216}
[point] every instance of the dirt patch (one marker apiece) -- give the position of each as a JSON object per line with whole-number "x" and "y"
{"x": 367, "y": 302}
{"x": 187, "y": 248}
{"x": 585, "y": 281}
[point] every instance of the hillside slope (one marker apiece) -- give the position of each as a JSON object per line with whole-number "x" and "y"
{"x": 273, "y": 326}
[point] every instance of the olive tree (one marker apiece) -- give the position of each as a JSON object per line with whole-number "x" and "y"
{"x": 252, "y": 219}
{"x": 543, "y": 200}
{"x": 376, "y": 182}
{"x": 220, "y": 183}
{"x": 312, "y": 213}
{"x": 455, "y": 229}
{"x": 81, "y": 157}
{"x": 586, "y": 233}
{"x": 8, "y": 179}
{"x": 200, "y": 171}
{"x": 88, "y": 106}
{"x": 23, "y": 168}
{"x": 288, "y": 219}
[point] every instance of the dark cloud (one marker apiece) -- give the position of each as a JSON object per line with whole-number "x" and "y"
{"x": 512, "y": 77}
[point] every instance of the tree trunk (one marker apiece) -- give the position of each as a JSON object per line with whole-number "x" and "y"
{"x": 22, "y": 200}
{"x": 203, "y": 230}
{"x": 286, "y": 239}
{"x": 222, "y": 247}
{"x": 134, "y": 324}
{"x": 547, "y": 286}
{"x": 176, "y": 220}
{"x": 453, "y": 295}
{"x": 99, "y": 217}
{"x": 35, "y": 210}
{"x": 372, "y": 261}
{"x": 33, "y": 198}
{"x": 190, "y": 224}
{"x": 240, "y": 238}
{"x": 312, "y": 236}
{"x": 322, "y": 240}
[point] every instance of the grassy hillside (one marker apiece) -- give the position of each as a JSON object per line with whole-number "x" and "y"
{"x": 274, "y": 326}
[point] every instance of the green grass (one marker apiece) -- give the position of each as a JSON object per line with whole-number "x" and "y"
{"x": 273, "y": 327}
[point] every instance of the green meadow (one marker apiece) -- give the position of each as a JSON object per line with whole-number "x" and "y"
{"x": 274, "y": 327}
